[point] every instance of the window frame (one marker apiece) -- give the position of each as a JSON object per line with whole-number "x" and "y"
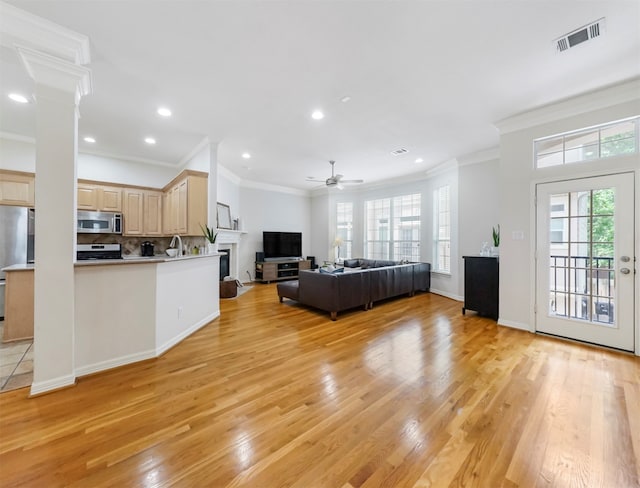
{"x": 389, "y": 228}
{"x": 344, "y": 230}
{"x": 573, "y": 151}
{"x": 445, "y": 238}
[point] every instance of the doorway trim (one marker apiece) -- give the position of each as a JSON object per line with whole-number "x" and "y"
{"x": 566, "y": 175}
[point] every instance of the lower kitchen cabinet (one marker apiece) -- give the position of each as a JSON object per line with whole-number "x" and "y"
{"x": 18, "y": 307}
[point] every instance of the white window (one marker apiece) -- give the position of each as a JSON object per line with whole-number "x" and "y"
{"x": 602, "y": 141}
{"x": 378, "y": 214}
{"x": 393, "y": 228}
{"x": 406, "y": 227}
{"x": 344, "y": 231}
{"x": 442, "y": 229}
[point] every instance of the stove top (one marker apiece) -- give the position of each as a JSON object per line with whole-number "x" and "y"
{"x": 98, "y": 251}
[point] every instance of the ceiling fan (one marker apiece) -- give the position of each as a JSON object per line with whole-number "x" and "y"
{"x": 335, "y": 181}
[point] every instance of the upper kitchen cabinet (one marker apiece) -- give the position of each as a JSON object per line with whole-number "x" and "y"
{"x": 17, "y": 188}
{"x": 99, "y": 197}
{"x": 142, "y": 212}
{"x": 185, "y": 204}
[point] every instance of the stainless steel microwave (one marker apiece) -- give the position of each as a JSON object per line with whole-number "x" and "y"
{"x": 99, "y": 222}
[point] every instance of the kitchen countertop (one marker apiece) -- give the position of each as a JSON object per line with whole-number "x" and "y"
{"x": 160, "y": 258}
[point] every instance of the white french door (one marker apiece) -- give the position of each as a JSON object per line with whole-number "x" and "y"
{"x": 585, "y": 260}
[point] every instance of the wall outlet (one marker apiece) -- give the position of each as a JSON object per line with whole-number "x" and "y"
{"x": 179, "y": 312}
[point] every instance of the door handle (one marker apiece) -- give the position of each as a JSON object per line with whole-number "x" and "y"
{"x": 625, "y": 270}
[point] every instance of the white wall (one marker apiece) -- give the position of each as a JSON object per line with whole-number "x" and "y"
{"x": 517, "y": 185}
{"x": 269, "y": 210}
{"x": 186, "y": 298}
{"x": 479, "y": 209}
{"x": 321, "y": 230}
{"x": 110, "y": 330}
{"x": 229, "y": 192}
{"x": 17, "y": 155}
{"x": 98, "y": 168}
{"x": 21, "y": 156}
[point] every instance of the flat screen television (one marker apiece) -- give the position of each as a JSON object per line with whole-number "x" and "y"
{"x": 281, "y": 245}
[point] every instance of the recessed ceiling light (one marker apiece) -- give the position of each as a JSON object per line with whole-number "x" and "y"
{"x": 149, "y": 140}
{"x": 16, "y": 97}
{"x": 345, "y": 99}
{"x": 317, "y": 115}
{"x": 89, "y": 139}
{"x": 246, "y": 155}
{"x": 419, "y": 160}
{"x": 164, "y": 111}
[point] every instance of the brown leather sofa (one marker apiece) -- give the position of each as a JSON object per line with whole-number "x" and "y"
{"x": 375, "y": 280}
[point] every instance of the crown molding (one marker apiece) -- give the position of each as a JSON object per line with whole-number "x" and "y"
{"x": 191, "y": 154}
{"x": 55, "y": 72}
{"x": 445, "y": 167}
{"x": 10, "y": 136}
{"x": 275, "y": 188}
{"x": 479, "y": 157}
{"x": 20, "y": 27}
{"x": 229, "y": 175}
{"x": 586, "y": 102}
{"x": 125, "y": 158}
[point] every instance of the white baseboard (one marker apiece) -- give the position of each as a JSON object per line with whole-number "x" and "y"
{"x": 53, "y": 384}
{"x": 144, "y": 355}
{"x": 115, "y": 362}
{"x": 180, "y": 337}
{"x": 446, "y": 294}
{"x": 515, "y": 325}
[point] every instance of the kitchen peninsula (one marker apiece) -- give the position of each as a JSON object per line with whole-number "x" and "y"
{"x": 129, "y": 310}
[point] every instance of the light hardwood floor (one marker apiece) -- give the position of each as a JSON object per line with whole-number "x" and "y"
{"x": 411, "y": 393}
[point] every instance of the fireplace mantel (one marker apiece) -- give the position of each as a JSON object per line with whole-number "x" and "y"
{"x": 230, "y": 239}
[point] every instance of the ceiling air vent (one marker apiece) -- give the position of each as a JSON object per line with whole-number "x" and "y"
{"x": 578, "y": 36}
{"x": 400, "y": 151}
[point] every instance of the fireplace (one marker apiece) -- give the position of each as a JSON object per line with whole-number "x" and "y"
{"x": 224, "y": 262}
{"x": 229, "y": 241}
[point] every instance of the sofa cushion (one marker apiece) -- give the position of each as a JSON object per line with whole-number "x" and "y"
{"x": 352, "y": 263}
{"x": 391, "y": 281}
{"x": 332, "y": 271}
{"x": 288, "y": 289}
{"x": 334, "y": 292}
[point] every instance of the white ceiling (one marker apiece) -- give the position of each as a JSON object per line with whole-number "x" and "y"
{"x": 429, "y": 76}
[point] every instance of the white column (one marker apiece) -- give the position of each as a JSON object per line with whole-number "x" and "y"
{"x": 59, "y": 86}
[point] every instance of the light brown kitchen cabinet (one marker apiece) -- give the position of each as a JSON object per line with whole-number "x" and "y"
{"x": 17, "y": 188}
{"x": 152, "y": 218}
{"x": 18, "y": 313}
{"x": 99, "y": 197}
{"x": 142, "y": 212}
{"x": 185, "y": 205}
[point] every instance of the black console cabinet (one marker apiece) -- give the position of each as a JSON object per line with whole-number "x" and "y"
{"x": 481, "y": 285}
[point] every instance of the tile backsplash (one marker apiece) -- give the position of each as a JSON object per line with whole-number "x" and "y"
{"x": 131, "y": 244}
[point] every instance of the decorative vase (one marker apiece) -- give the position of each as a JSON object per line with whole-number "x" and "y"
{"x": 212, "y": 247}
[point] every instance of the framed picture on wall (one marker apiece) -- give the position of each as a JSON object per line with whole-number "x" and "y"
{"x": 224, "y": 216}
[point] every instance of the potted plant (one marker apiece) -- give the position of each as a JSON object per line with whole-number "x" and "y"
{"x": 210, "y": 235}
{"x": 496, "y": 240}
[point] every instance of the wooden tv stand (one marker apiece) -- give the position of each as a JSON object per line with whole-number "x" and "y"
{"x": 286, "y": 269}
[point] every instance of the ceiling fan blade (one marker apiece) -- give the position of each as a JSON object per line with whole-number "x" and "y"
{"x": 351, "y": 182}
{"x": 313, "y": 179}
{"x": 338, "y": 177}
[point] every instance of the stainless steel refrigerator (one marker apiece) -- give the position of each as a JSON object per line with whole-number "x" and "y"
{"x": 16, "y": 241}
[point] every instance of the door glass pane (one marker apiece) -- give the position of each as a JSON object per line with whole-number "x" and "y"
{"x": 581, "y": 276}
